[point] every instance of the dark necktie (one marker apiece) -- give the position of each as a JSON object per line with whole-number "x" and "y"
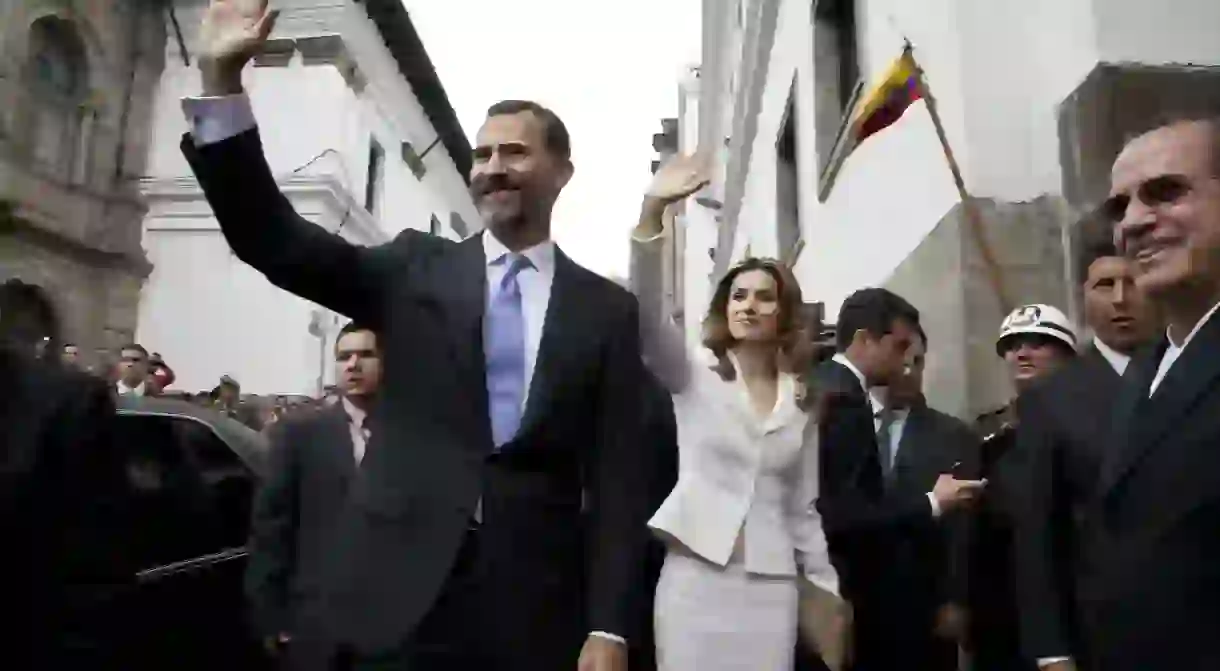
{"x": 885, "y": 431}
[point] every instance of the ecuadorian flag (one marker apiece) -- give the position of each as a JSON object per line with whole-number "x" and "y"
{"x": 889, "y": 99}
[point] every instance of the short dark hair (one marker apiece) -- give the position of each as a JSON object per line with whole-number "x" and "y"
{"x": 357, "y": 327}
{"x": 873, "y": 310}
{"x": 1096, "y": 241}
{"x": 555, "y": 133}
{"x": 134, "y": 347}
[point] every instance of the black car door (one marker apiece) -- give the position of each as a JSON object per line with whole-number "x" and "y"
{"x": 190, "y": 508}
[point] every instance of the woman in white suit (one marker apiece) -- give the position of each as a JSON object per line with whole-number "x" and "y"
{"x": 740, "y": 526}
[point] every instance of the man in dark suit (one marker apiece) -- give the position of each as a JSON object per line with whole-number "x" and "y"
{"x": 498, "y": 522}
{"x": 1062, "y": 439}
{"x": 865, "y": 520}
{"x": 62, "y": 486}
{"x": 924, "y": 444}
{"x": 1152, "y": 534}
{"x": 314, "y": 458}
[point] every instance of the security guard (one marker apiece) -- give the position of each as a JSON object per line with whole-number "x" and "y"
{"x": 1034, "y": 341}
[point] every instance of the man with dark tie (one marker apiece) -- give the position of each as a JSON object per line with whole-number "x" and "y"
{"x": 498, "y": 521}
{"x": 1152, "y": 533}
{"x": 314, "y": 458}
{"x": 866, "y": 519}
{"x": 1062, "y": 438}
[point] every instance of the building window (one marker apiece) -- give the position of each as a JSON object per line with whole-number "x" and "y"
{"x": 787, "y": 196}
{"x": 434, "y": 227}
{"x": 56, "y": 82}
{"x": 836, "y": 70}
{"x": 376, "y": 178}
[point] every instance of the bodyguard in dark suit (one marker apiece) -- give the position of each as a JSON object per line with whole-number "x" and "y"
{"x": 62, "y": 488}
{"x": 865, "y": 520}
{"x": 1153, "y": 532}
{"x": 1062, "y": 439}
{"x": 499, "y": 522}
{"x": 314, "y": 458}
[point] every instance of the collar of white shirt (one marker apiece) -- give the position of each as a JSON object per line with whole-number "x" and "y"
{"x": 1195, "y": 331}
{"x": 877, "y": 404}
{"x": 1117, "y": 360}
{"x": 354, "y": 414}
{"x": 541, "y": 255}
{"x": 124, "y": 390}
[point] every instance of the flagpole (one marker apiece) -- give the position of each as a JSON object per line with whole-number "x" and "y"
{"x": 973, "y": 218}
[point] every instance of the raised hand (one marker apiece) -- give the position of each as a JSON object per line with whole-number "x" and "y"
{"x": 232, "y": 32}
{"x": 679, "y": 177}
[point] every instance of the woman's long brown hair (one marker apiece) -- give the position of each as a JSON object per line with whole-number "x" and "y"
{"x": 795, "y": 348}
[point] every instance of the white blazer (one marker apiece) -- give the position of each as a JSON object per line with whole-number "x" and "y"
{"x": 739, "y": 473}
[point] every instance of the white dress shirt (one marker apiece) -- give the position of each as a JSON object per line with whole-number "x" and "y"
{"x": 1174, "y": 350}
{"x": 1117, "y": 360}
{"x": 124, "y": 390}
{"x": 878, "y": 406}
{"x": 217, "y": 119}
{"x": 358, "y": 431}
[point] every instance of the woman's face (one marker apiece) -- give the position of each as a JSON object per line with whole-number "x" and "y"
{"x": 753, "y": 307}
{"x": 1032, "y": 357}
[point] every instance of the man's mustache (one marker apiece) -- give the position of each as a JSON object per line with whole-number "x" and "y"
{"x": 485, "y": 185}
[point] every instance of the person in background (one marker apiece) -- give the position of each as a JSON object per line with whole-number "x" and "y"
{"x": 70, "y": 355}
{"x": 1063, "y": 437}
{"x": 63, "y": 490}
{"x": 1034, "y": 342}
{"x": 160, "y": 374}
{"x": 314, "y": 458}
{"x": 132, "y": 370}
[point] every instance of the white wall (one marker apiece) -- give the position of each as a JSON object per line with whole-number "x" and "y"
{"x": 211, "y": 315}
{"x": 998, "y": 70}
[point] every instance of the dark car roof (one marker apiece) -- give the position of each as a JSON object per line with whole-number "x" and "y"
{"x": 249, "y": 445}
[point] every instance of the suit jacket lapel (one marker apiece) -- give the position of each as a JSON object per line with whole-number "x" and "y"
{"x": 563, "y": 313}
{"x": 1141, "y": 423}
{"x": 337, "y": 442}
{"x": 465, "y": 277}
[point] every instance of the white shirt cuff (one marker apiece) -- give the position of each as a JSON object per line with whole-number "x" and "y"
{"x": 1044, "y": 662}
{"x": 935, "y": 505}
{"x": 610, "y": 637}
{"x": 217, "y": 119}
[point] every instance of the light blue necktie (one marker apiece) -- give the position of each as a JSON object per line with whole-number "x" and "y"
{"x": 504, "y": 349}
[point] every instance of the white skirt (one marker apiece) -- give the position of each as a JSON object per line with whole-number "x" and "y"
{"x": 709, "y": 618}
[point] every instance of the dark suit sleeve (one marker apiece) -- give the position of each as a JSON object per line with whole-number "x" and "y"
{"x": 957, "y": 525}
{"x": 264, "y": 230}
{"x": 844, "y": 432}
{"x": 273, "y": 530}
{"x": 621, "y": 471}
{"x": 1036, "y": 547}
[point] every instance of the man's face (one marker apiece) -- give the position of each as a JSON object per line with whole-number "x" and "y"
{"x": 906, "y": 389}
{"x": 1165, "y": 203}
{"x": 1114, "y": 307}
{"x": 885, "y": 357}
{"x": 515, "y": 180}
{"x": 228, "y": 394}
{"x": 1032, "y": 356}
{"x": 359, "y": 364}
{"x": 133, "y": 367}
{"x": 71, "y": 354}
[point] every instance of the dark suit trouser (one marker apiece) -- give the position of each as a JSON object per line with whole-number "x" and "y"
{"x": 474, "y": 626}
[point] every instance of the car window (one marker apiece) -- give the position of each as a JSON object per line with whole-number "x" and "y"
{"x": 190, "y": 494}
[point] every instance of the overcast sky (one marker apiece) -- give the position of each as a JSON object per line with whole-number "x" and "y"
{"x": 609, "y": 69}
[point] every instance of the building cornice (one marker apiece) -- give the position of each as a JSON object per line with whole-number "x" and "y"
{"x": 355, "y": 222}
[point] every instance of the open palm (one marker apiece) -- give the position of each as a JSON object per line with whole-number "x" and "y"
{"x": 233, "y": 31}
{"x": 679, "y": 177}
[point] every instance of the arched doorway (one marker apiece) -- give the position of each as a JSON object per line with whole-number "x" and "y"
{"x": 27, "y": 315}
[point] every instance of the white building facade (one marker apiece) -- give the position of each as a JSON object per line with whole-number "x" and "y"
{"x": 1036, "y": 98}
{"x": 356, "y": 125}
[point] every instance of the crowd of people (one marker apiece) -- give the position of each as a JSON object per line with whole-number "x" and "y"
{"x": 521, "y": 472}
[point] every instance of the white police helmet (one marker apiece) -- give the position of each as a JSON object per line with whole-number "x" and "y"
{"x": 1038, "y": 319}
